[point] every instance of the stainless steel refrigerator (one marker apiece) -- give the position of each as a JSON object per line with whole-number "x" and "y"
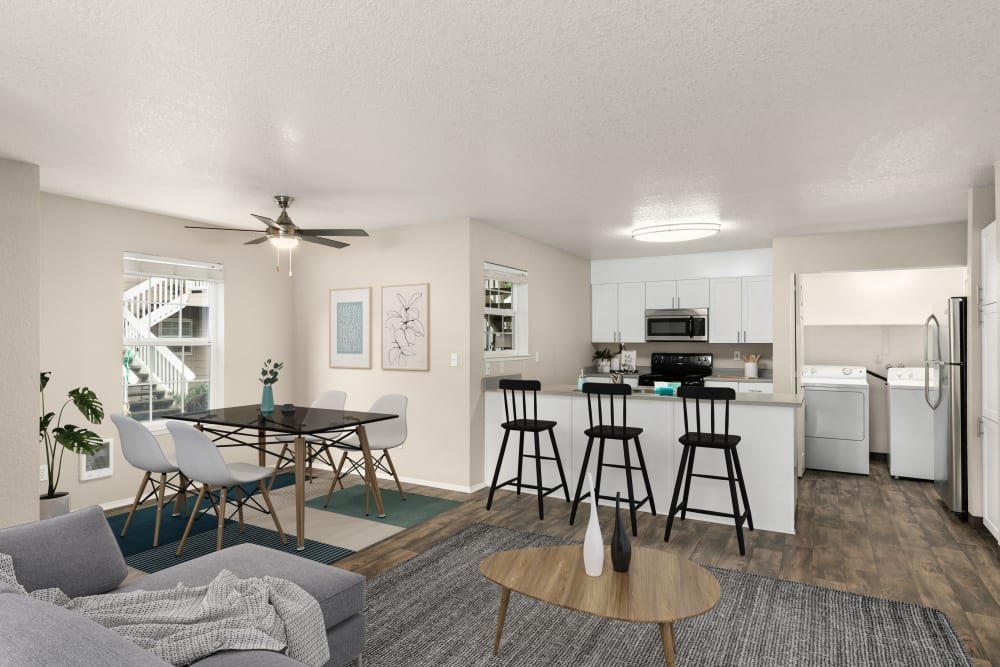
{"x": 945, "y": 380}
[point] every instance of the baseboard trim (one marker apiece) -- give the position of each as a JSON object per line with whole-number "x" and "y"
{"x": 444, "y": 486}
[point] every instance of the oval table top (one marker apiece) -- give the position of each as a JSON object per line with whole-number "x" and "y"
{"x": 659, "y": 587}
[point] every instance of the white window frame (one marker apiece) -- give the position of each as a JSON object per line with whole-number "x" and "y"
{"x": 518, "y": 278}
{"x": 153, "y": 266}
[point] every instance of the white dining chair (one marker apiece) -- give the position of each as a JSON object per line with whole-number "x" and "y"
{"x": 143, "y": 452}
{"x": 329, "y": 400}
{"x": 200, "y": 461}
{"x": 382, "y": 436}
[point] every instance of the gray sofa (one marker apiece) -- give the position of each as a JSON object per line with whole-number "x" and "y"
{"x": 79, "y": 554}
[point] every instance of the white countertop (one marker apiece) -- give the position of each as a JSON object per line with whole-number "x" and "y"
{"x": 644, "y": 394}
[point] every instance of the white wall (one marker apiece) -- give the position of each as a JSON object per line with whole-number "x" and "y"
{"x": 558, "y": 319}
{"x": 19, "y": 341}
{"x": 80, "y": 333}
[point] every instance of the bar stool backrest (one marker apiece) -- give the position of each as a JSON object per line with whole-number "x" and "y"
{"x": 518, "y": 389}
{"x": 711, "y": 394}
{"x": 595, "y": 391}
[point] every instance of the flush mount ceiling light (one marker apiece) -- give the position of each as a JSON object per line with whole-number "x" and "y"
{"x": 671, "y": 232}
{"x": 282, "y": 241}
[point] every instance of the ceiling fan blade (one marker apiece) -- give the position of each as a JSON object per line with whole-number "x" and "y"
{"x": 224, "y": 229}
{"x": 256, "y": 241}
{"x": 333, "y": 232}
{"x": 327, "y": 242}
{"x": 267, "y": 221}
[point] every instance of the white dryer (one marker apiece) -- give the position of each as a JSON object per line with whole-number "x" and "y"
{"x": 836, "y": 404}
{"x": 916, "y": 430}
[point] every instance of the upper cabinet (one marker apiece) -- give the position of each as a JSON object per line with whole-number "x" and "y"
{"x": 740, "y": 310}
{"x": 988, "y": 274}
{"x": 666, "y": 294}
{"x": 618, "y": 313}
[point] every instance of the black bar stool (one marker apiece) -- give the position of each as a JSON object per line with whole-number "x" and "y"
{"x": 692, "y": 440}
{"x": 525, "y": 423}
{"x": 596, "y": 393}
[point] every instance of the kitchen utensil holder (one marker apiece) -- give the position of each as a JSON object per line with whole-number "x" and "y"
{"x": 750, "y": 369}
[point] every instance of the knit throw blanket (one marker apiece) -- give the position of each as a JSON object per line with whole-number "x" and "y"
{"x": 183, "y": 624}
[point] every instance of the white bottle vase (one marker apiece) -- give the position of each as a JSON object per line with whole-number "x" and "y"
{"x": 593, "y": 542}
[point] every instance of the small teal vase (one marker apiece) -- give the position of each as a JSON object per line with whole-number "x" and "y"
{"x": 267, "y": 401}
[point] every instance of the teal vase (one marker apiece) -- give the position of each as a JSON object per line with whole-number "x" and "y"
{"x": 267, "y": 401}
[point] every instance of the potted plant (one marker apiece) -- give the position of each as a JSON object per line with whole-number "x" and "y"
{"x": 268, "y": 376}
{"x": 603, "y": 358}
{"x": 56, "y": 438}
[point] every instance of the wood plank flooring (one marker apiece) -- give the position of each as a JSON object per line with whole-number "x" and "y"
{"x": 872, "y": 535}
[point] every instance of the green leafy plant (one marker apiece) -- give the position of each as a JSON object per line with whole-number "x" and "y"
{"x": 57, "y": 438}
{"x": 603, "y": 353}
{"x": 269, "y": 374}
{"x": 197, "y": 398}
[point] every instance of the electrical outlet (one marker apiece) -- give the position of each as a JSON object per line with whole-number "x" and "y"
{"x": 501, "y": 368}
{"x": 737, "y": 356}
{"x": 536, "y": 357}
{"x": 43, "y": 473}
{"x": 487, "y": 369}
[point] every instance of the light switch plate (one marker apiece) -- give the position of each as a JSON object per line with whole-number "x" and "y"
{"x": 43, "y": 473}
{"x": 454, "y": 358}
{"x": 487, "y": 369}
{"x": 737, "y": 356}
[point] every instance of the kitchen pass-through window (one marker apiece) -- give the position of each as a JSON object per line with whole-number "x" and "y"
{"x": 505, "y": 311}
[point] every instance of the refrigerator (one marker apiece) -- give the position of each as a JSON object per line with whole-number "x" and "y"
{"x": 946, "y": 387}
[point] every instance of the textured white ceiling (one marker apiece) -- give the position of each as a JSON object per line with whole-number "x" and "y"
{"x": 566, "y": 122}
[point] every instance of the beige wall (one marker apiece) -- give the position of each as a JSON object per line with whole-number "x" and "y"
{"x": 437, "y": 447}
{"x": 558, "y": 319}
{"x": 80, "y": 334}
{"x": 19, "y": 448}
{"x": 909, "y": 247}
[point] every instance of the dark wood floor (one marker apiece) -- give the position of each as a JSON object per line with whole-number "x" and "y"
{"x": 871, "y": 535}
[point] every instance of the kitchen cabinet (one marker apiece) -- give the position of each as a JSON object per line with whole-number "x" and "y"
{"x": 740, "y": 310}
{"x": 618, "y": 313}
{"x": 988, "y": 268}
{"x": 666, "y": 294}
{"x": 991, "y": 478}
{"x": 989, "y": 363}
{"x": 743, "y": 387}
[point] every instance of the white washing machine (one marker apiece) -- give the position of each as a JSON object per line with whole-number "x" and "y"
{"x": 836, "y": 404}
{"x": 915, "y": 429}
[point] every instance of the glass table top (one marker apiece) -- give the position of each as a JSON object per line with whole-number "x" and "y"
{"x": 303, "y": 421}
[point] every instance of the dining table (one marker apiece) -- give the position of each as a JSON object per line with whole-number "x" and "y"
{"x": 247, "y": 426}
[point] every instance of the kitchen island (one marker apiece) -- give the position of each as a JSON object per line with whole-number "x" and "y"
{"x": 767, "y": 423}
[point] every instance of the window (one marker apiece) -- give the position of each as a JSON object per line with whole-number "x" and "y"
{"x": 505, "y": 311}
{"x": 171, "y": 342}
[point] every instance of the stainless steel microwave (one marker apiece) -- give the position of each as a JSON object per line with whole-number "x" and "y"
{"x": 677, "y": 324}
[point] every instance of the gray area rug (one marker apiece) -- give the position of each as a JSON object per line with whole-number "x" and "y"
{"x": 436, "y": 609}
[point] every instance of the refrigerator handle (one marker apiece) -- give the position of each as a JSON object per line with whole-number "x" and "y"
{"x": 928, "y": 355}
{"x": 927, "y": 384}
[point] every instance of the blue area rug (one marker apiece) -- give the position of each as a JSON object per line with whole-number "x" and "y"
{"x": 398, "y": 512}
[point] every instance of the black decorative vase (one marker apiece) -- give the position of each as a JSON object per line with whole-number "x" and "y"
{"x": 621, "y": 548}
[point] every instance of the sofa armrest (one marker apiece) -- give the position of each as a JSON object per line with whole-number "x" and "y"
{"x": 76, "y": 552}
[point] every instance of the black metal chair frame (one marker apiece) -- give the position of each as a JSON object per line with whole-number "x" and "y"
{"x": 612, "y": 431}
{"x": 692, "y": 440}
{"x": 524, "y": 423}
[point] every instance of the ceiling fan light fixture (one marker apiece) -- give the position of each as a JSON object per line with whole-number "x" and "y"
{"x": 283, "y": 242}
{"x": 672, "y": 232}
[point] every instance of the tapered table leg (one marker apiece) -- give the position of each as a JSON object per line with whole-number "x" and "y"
{"x": 300, "y": 492}
{"x": 370, "y": 470}
{"x": 504, "y": 598}
{"x": 667, "y": 635}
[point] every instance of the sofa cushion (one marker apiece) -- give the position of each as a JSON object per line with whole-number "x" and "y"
{"x": 38, "y": 633}
{"x": 340, "y": 593}
{"x": 244, "y": 658}
{"x": 76, "y": 552}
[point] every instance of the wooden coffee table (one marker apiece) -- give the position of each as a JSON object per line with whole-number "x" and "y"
{"x": 658, "y": 588}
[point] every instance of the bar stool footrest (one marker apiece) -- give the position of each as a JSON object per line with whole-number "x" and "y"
{"x": 740, "y": 518}
{"x": 722, "y": 477}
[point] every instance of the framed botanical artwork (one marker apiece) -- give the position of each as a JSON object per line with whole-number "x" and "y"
{"x": 100, "y": 464}
{"x": 351, "y": 328}
{"x": 405, "y": 327}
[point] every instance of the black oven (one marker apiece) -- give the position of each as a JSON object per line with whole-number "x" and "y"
{"x": 689, "y": 324}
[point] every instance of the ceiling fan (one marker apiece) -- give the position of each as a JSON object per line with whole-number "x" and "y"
{"x": 285, "y": 234}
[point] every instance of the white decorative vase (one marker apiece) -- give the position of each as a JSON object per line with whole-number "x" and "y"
{"x": 50, "y": 507}
{"x": 593, "y": 542}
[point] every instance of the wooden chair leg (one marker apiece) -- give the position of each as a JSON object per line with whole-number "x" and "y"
{"x": 135, "y": 503}
{"x": 180, "y": 500}
{"x": 221, "y": 511}
{"x": 194, "y": 515}
{"x": 340, "y": 467}
{"x": 159, "y": 508}
{"x": 270, "y": 508}
{"x": 392, "y": 469}
{"x": 277, "y": 466}
{"x": 239, "y": 506}
{"x": 336, "y": 480}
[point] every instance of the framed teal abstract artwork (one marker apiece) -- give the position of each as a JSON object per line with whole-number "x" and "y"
{"x": 351, "y": 328}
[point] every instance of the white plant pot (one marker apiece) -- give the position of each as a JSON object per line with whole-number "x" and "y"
{"x": 603, "y": 365}
{"x": 51, "y": 507}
